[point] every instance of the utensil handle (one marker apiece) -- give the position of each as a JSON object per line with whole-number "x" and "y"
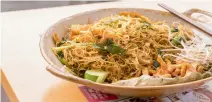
{"x": 208, "y": 31}
{"x": 191, "y": 11}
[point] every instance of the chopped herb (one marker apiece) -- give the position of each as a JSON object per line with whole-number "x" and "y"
{"x": 109, "y": 46}
{"x": 64, "y": 39}
{"x": 175, "y": 29}
{"x": 115, "y": 49}
{"x": 99, "y": 46}
{"x": 156, "y": 64}
{"x": 108, "y": 42}
{"x": 60, "y": 54}
{"x": 60, "y": 43}
{"x": 176, "y": 40}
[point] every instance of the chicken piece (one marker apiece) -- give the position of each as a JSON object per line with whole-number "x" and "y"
{"x": 131, "y": 14}
{"x": 160, "y": 72}
{"x": 107, "y": 35}
{"x": 176, "y": 72}
{"x": 172, "y": 67}
{"x": 85, "y": 37}
{"x": 75, "y": 29}
{"x": 183, "y": 69}
{"x": 97, "y": 30}
{"x": 135, "y": 15}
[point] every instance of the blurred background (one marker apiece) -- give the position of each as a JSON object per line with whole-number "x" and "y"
{"x": 7, "y": 5}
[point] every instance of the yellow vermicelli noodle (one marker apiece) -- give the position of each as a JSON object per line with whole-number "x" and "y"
{"x": 138, "y": 37}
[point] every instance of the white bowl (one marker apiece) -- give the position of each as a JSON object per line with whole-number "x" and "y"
{"x": 55, "y": 67}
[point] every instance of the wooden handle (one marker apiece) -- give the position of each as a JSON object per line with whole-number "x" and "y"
{"x": 201, "y": 27}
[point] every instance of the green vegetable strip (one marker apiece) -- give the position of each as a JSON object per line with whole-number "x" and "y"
{"x": 176, "y": 40}
{"x": 110, "y": 47}
{"x": 174, "y": 29}
{"x": 156, "y": 64}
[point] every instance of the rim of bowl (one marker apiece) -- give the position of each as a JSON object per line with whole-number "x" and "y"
{"x": 82, "y": 81}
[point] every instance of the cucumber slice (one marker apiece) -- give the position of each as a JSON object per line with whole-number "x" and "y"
{"x": 96, "y": 76}
{"x": 90, "y": 77}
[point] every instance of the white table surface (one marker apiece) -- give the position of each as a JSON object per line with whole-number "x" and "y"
{"x": 21, "y": 59}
